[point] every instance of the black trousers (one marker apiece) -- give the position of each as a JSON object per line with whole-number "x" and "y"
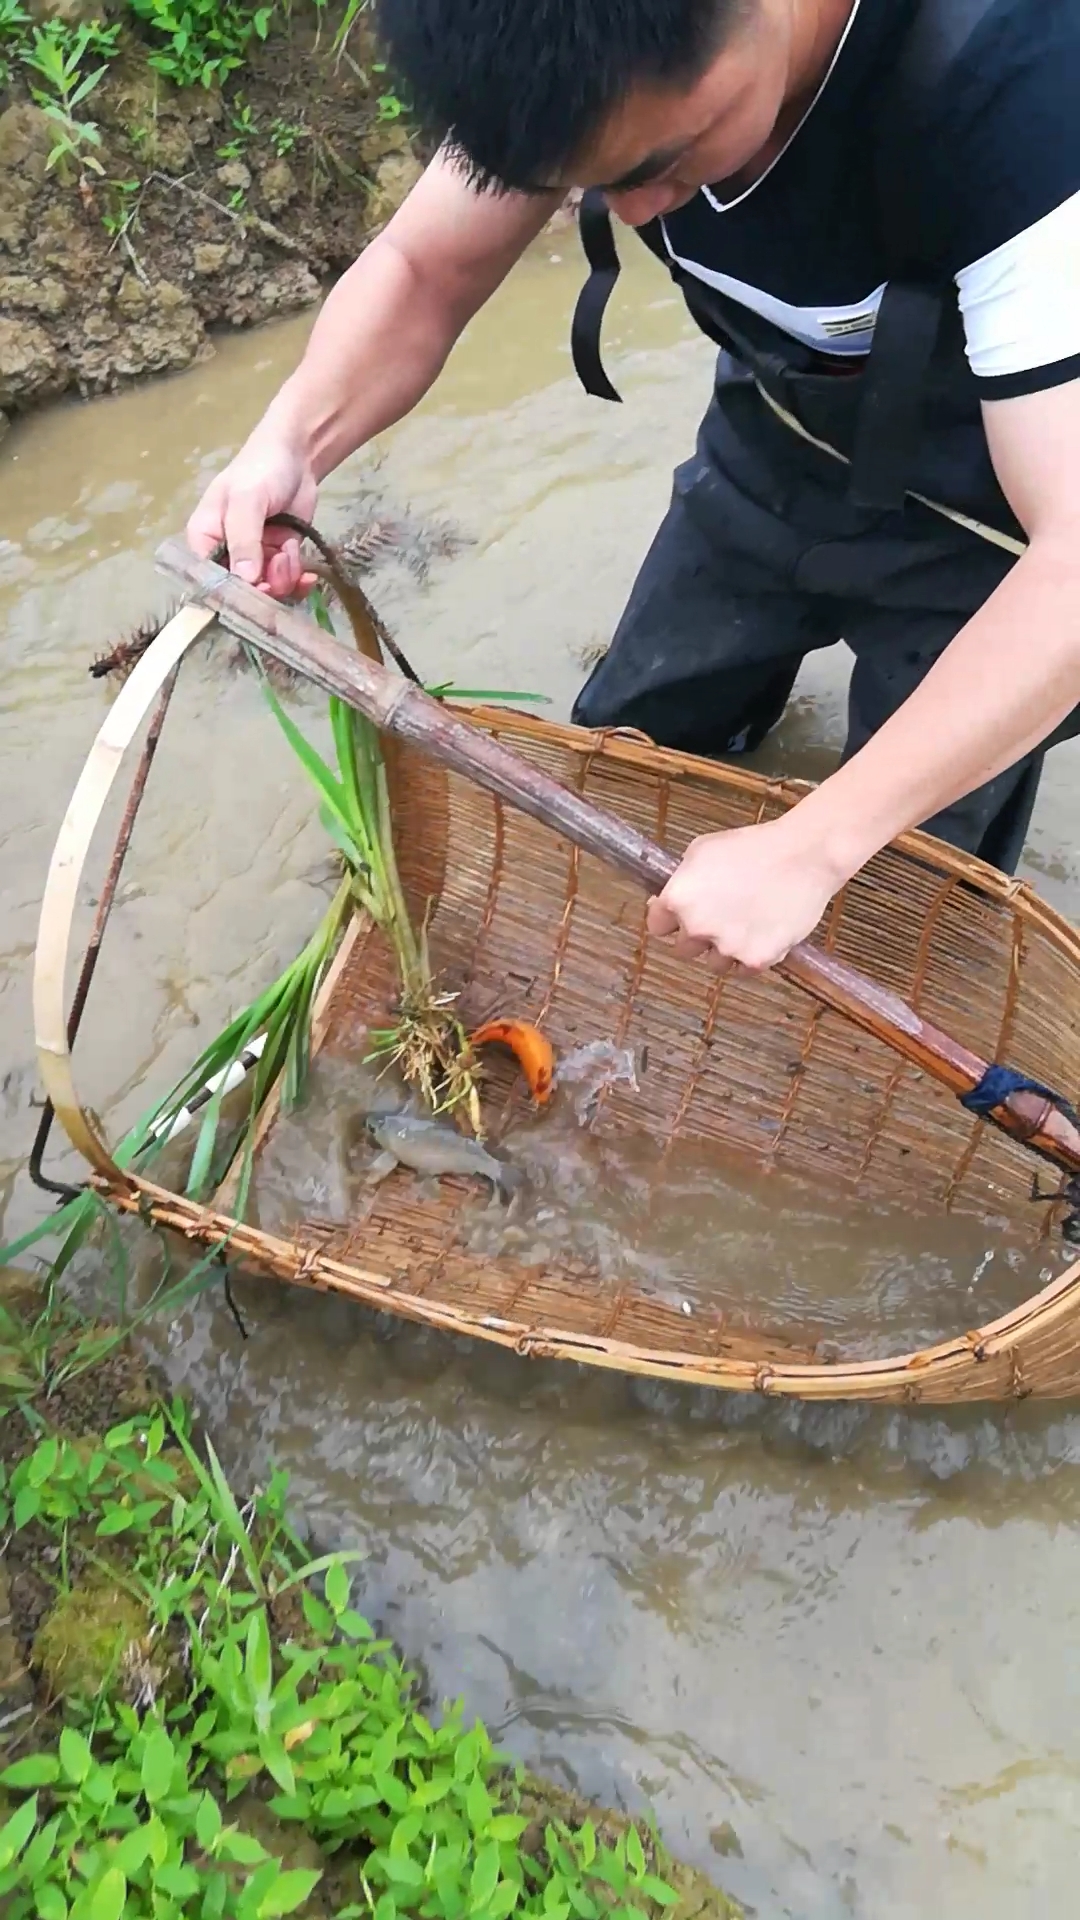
{"x": 761, "y": 559}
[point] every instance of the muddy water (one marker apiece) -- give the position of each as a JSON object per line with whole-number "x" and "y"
{"x": 835, "y": 1649}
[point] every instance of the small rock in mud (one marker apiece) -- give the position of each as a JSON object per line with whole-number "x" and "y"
{"x": 211, "y": 256}
{"x": 70, "y": 13}
{"x": 26, "y": 141}
{"x": 278, "y": 185}
{"x": 132, "y": 296}
{"x": 393, "y": 179}
{"x": 29, "y": 293}
{"x": 234, "y": 176}
{"x": 16, "y": 199}
{"x": 171, "y": 145}
{"x": 28, "y": 361}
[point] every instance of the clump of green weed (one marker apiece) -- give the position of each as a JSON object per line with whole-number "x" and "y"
{"x": 135, "y": 1811}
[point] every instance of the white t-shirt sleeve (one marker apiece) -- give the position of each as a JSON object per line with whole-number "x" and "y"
{"x": 1021, "y": 307}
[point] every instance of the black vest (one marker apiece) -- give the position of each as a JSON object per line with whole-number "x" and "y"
{"x": 910, "y": 418}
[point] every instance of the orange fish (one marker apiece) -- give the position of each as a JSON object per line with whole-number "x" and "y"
{"x": 534, "y": 1052}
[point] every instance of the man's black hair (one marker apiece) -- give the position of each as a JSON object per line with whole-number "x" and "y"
{"x": 517, "y": 87}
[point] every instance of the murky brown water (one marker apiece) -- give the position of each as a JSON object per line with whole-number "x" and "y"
{"x": 851, "y": 1635}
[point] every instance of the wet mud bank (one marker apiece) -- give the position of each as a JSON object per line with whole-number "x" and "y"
{"x": 213, "y": 208}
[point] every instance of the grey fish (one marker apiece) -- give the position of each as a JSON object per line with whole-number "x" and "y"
{"x": 429, "y": 1147}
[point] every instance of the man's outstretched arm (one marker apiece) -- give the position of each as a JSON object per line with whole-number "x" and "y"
{"x": 379, "y": 342}
{"x": 1001, "y": 687}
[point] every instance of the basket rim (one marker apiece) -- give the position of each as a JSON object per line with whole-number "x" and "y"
{"x": 947, "y": 1370}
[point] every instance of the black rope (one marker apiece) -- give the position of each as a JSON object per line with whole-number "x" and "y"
{"x": 230, "y": 1299}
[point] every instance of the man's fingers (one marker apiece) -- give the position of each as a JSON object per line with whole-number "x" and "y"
{"x": 245, "y": 515}
{"x": 204, "y": 529}
{"x": 660, "y": 920}
{"x": 284, "y": 575}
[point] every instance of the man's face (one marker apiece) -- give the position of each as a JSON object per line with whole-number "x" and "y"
{"x": 661, "y": 144}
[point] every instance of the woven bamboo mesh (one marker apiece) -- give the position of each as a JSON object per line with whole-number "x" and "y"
{"x": 744, "y": 1066}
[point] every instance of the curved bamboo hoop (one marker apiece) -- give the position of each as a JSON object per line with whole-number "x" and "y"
{"x": 114, "y": 736}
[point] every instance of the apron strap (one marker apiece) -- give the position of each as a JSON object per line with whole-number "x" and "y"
{"x": 594, "y": 222}
{"x": 890, "y": 417}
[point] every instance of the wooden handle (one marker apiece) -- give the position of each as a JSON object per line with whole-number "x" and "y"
{"x": 115, "y": 735}
{"x": 405, "y": 710}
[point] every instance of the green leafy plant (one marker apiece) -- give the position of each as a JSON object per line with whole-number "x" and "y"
{"x": 199, "y": 42}
{"x": 284, "y": 136}
{"x": 121, "y": 207}
{"x": 257, "y": 1682}
{"x": 14, "y": 21}
{"x": 245, "y": 130}
{"x": 56, "y": 53}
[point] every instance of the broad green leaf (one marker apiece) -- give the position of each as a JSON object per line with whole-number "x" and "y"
{"x": 403, "y": 1869}
{"x": 15, "y": 1834}
{"x": 393, "y": 1791}
{"x": 158, "y": 1840}
{"x": 337, "y": 1587}
{"x": 117, "y": 1520}
{"x": 478, "y": 1804}
{"x": 40, "y": 1851}
{"x": 133, "y": 1850}
{"x": 42, "y": 1462}
{"x": 430, "y": 1792}
{"x": 485, "y": 1875}
{"x": 635, "y": 1852}
{"x": 158, "y": 1764}
{"x": 289, "y": 1891}
{"x": 405, "y": 1833}
{"x": 503, "y": 1901}
{"x": 76, "y": 1758}
{"x": 507, "y": 1826}
{"x": 27, "y": 1504}
{"x": 51, "y": 1904}
{"x": 243, "y": 1848}
{"x": 37, "y": 1770}
{"x": 178, "y": 1879}
{"x": 207, "y": 1823}
{"x": 384, "y": 1752}
{"x": 277, "y": 1763}
{"x": 109, "y": 1896}
{"x": 215, "y": 1895}
{"x": 659, "y": 1891}
{"x": 336, "y": 1804}
{"x": 258, "y": 1666}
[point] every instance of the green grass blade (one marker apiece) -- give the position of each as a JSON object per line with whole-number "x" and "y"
{"x": 204, "y": 1146}
{"x": 314, "y": 765}
{"x": 54, "y": 1223}
{"x": 448, "y": 691}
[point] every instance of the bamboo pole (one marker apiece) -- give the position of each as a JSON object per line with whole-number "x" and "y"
{"x": 404, "y": 710}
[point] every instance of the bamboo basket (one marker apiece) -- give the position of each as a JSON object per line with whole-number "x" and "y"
{"x": 743, "y": 1066}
